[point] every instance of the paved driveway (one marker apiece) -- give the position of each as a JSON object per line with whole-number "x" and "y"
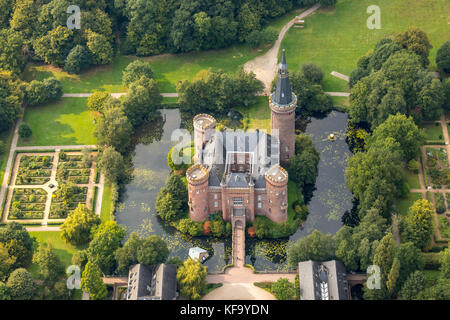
{"x": 239, "y": 291}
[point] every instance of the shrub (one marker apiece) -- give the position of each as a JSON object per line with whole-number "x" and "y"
{"x": 2, "y": 147}
{"x": 190, "y": 227}
{"x": 440, "y": 203}
{"x": 97, "y": 101}
{"x": 218, "y": 227}
{"x": 42, "y": 92}
{"x": 78, "y": 59}
{"x": 443, "y": 57}
{"x": 312, "y": 72}
{"x": 25, "y": 130}
{"x": 283, "y": 289}
{"x": 257, "y": 38}
{"x": 135, "y": 70}
{"x": 413, "y": 166}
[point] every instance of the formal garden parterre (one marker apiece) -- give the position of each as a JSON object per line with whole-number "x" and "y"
{"x": 46, "y": 186}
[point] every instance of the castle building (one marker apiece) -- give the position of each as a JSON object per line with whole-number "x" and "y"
{"x": 240, "y": 173}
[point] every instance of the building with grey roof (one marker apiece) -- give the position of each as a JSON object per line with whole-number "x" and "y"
{"x": 323, "y": 280}
{"x": 147, "y": 282}
{"x": 238, "y": 171}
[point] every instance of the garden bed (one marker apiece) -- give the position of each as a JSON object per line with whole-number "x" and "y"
{"x": 60, "y": 208}
{"x": 437, "y": 166}
{"x": 34, "y": 170}
{"x": 27, "y": 204}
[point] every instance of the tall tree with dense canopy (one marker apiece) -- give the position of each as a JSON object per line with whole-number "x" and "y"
{"x": 418, "y": 223}
{"x": 153, "y": 250}
{"x": 18, "y": 242}
{"x": 417, "y": 41}
{"x": 107, "y": 239}
{"x": 411, "y": 259}
{"x": 51, "y": 268}
{"x": 111, "y": 164}
{"x": 443, "y": 57}
{"x": 92, "y": 282}
{"x": 21, "y": 285}
{"x": 114, "y": 129}
{"x": 135, "y": 70}
{"x": 76, "y": 229}
{"x": 192, "y": 279}
{"x": 403, "y": 130}
{"x": 142, "y": 101}
{"x": 316, "y": 246}
{"x": 414, "y": 284}
{"x": 100, "y": 48}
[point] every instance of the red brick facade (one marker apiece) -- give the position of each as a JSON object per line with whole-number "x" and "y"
{"x": 282, "y": 124}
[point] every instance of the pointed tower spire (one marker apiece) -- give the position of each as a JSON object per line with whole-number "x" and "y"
{"x": 283, "y": 91}
{"x": 283, "y": 103}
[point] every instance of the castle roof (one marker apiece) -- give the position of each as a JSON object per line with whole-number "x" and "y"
{"x": 283, "y": 92}
{"x": 262, "y": 151}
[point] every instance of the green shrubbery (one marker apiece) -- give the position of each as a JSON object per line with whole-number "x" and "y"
{"x": 440, "y": 203}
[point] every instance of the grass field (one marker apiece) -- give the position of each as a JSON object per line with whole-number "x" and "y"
{"x": 258, "y": 114}
{"x": 67, "y": 122}
{"x": 341, "y": 101}
{"x": 106, "y": 203}
{"x": 63, "y": 250}
{"x": 412, "y": 179}
{"x": 168, "y": 69}
{"x": 433, "y": 132}
{"x": 403, "y": 205}
{"x": 336, "y": 38}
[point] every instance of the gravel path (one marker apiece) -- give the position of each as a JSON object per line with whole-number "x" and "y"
{"x": 265, "y": 66}
{"x": 340, "y": 76}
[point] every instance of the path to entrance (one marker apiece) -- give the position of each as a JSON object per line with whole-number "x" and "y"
{"x": 239, "y": 291}
{"x": 265, "y": 66}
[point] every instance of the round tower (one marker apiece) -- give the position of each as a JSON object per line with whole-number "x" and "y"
{"x": 204, "y": 128}
{"x": 197, "y": 177}
{"x": 276, "y": 191}
{"x": 282, "y": 105}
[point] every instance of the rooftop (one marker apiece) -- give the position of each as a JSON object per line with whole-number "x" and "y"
{"x": 277, "y": 174}
{"x": 323, "y": 280}
{"x": 196, "y": 173}
{"x": 147, "y": 282}
{"x": 204, "y": 121}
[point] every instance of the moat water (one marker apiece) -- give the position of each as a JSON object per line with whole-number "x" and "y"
{"x": 330, "y": 199}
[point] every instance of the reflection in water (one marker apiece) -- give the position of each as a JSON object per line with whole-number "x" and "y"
{"x": 330, "y": 200}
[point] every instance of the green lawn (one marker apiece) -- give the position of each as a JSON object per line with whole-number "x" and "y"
{"x": 106, "y": 203}
{"x": 341, "y": 101}
{"x": 336, "y": 38}
{"x": 6, "y": 138}
{"x": 258, "y": 114}
{"x": 67, "y": 122}
{"x": 433, "y": 132}
{"x": 63, "y": 250}
{"x": 402, "y": 205}
{"x": 412, "y": 179}
{"x": 168, "y": 69}
{"x": 432, "y": 276}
